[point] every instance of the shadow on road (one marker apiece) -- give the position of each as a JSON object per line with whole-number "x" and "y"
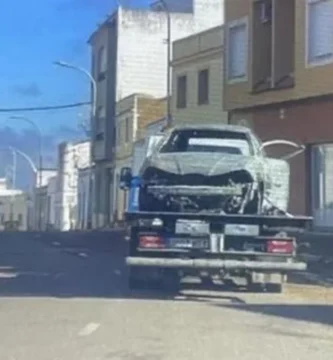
{"x": 321, "y": 314}
{"x": 91, "y": 265}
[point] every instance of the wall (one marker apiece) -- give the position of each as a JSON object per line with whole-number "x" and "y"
{"x": 192, "y": 54}
{"x": 308, "y": 122}
{"x": 84, "y": 208}
{"x": 145, "y": 71}
{"x": 73, "y": 156}
{"x": 51, "y": 199}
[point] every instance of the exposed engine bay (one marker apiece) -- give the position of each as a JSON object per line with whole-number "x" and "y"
{"x": 218, "y": 170}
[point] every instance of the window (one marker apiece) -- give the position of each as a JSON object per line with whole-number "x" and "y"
{"x": 100, "y": 119}
{"x": 102, "y": 61}
{"x": 182, "y": 92}
{"x": 237, "y": 50}
{"x": 319, "y": 32}
{"x": 203, "y": 87}
{"x": 127, "y": 130}
{"x": 226, "y": 142}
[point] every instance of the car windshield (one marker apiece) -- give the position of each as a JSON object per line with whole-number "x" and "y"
{"x": 228, "y": 142}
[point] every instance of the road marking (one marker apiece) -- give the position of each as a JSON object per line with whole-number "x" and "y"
{"x": 89, "y": 329}
{"x": 55, "y": 243}
{"x": 83, "y": 254}
{"x": 4, "y": 275}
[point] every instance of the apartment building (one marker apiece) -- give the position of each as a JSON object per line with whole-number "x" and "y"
{"x": 129, "y": 56}
{"x": 133, "y": 114}
{"x": 279, "y": 62}
{"x": 197, "y": 80}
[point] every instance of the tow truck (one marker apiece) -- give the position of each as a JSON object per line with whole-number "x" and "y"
{"x": 209, "y": 202}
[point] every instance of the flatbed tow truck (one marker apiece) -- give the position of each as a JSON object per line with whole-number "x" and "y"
{"x": 177, "y": 232}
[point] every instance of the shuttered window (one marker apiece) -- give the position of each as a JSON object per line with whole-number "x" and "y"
{"x": 319, "y": 32}
{"x": 237, "y": 50}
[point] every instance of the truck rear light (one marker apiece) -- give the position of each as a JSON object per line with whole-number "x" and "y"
{"x": 151, "y": 241}
{"x": 280, "y": 246}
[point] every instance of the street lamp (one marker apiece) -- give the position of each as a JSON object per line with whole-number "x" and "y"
{"x": 40, "y": 154}
{"x": 86, "y": 73}
{"x": 94, "y": 109}
{"x": 168, "y": 41}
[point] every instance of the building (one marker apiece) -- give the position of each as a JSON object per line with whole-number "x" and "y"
{"x": 84, "y": 206}
{"x": 38, "y": 207}
{"x": 279, "y": 62}
{"x": 71, "y": 158}
{"x": 51, "y": 194}
{"x": 129, "y": 56}
{"x": 197, "y": 78}
{"x": 133, "y": 114}
{"x": 13, "y": 208}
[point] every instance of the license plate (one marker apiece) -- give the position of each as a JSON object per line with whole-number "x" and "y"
{"x": 191, "y": 227}
{"x": 241, "y": 230}
{"x": 189, "y": 243}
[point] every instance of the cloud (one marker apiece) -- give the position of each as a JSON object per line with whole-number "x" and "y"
{"x": 28, "y": 90}
{"x": 27, "y": 141}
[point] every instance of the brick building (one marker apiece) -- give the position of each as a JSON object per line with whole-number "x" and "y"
{"x": 278, "y": 80}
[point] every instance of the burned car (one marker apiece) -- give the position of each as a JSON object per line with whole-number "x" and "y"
{"x": 221, "y": 169}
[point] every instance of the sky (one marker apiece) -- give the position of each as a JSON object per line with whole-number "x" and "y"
{"x": 34, "y": 34}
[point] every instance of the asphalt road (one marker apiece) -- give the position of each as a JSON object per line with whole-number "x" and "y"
{"x": 60, "y": 302}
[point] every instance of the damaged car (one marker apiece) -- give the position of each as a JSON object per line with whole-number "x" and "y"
{"x": 210, "y": 202}
{"x": 221, "y": 169}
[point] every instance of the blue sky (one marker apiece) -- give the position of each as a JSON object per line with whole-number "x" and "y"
{"x": 33, "y": 34}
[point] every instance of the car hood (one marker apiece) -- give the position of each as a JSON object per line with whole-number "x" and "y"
{"x": 199, "y": 163}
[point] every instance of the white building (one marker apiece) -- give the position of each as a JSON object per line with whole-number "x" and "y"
{"x": 13, "y": 208}
{"x": 84, "y": 208}
{"x": 37, "y": 207}
{"x": 71, "y": 158}
{"x": 129, "y": 55}
{"x": 51, "y": 202}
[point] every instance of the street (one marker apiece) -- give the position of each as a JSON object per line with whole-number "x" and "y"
{"x": 60, "y": 301}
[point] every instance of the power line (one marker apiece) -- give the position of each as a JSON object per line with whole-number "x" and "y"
{"x": 45, "y": 108}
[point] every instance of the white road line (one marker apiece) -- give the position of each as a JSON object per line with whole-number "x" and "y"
{"x": 81, "y": 254}
{"x": 55, "y": 243}
{"x": 89, "y": 329}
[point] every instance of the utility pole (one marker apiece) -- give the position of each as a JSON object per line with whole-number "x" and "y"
{"x": 168, "y": 80}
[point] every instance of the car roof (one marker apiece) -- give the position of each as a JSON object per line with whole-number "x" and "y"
{"x": 218, "y": 127}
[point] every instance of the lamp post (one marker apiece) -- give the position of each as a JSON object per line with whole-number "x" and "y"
{"x": 40, "y": 157}
{"x": 94, "y": 107}
{"x": 168, "y": 41}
